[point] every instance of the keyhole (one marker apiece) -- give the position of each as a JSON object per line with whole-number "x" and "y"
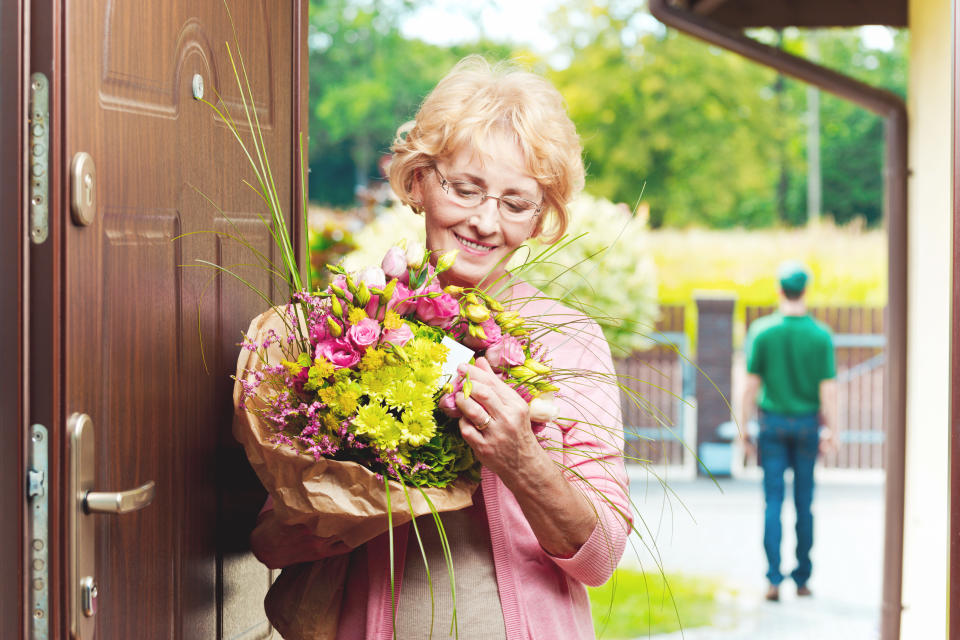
{"x": 88, "y": 188}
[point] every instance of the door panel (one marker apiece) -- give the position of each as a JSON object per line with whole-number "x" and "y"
{"x": 150, "y": 337}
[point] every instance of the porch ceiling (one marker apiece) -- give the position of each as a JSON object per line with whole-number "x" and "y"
{"x": 802, "y": 13}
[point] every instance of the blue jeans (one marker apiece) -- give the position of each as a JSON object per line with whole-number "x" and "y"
{"x": 788, "y": 441}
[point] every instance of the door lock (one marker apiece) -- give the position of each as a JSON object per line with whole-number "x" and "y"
{"x": 81, "y": 528}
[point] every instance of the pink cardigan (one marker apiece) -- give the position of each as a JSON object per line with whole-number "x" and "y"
{"x": 542, "y": 596}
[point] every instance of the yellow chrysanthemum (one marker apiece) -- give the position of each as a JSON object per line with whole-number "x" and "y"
{"x": 420, "y": 409}
{"x": 356, "y": 315}
{"x": 425, "y": 352}
{"x": 392, "y": 320}
{"x": 371, "y": 419}
{"x": 401, "y": 393}
{"x": 427, "y": 376}
{"x": 418, "y": 432}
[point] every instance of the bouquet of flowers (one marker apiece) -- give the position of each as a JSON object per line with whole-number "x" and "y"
{"x": 346, "y": 391}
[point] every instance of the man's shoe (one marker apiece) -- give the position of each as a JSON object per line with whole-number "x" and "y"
{"x": 773, "y": 593}
{"x": 804, "y": 591}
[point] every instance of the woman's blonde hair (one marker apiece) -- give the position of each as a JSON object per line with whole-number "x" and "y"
{"x": 476, "y": 99}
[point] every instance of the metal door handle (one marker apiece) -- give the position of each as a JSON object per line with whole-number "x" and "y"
{"x": 81, "y": 530}
{"x": 119, "y": 501}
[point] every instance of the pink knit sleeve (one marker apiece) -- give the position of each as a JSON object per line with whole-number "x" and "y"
{"x": 592, "y": 450}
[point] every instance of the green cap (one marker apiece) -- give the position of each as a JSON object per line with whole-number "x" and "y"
{"x": 793, "y": 276}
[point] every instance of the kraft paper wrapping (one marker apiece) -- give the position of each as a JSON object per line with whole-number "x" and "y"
{"x": 339, "y": 500}
{"x": 304, "y": 602}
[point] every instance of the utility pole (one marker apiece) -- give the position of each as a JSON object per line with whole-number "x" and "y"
{"x": 814, "y": 185}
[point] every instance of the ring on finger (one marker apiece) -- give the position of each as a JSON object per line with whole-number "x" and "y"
{"x": 483, "y": 425}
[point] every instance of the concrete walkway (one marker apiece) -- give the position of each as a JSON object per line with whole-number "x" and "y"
{"x": 701, "y": 529}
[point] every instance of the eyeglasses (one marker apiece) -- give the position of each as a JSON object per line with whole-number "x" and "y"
{"x": 467, "y": 194}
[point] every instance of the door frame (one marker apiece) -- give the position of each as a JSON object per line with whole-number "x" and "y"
{"x": 954, "y": 464}
{"x": 14, "y": 65}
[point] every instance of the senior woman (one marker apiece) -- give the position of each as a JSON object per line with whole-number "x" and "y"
{"x": 491, "y": 160}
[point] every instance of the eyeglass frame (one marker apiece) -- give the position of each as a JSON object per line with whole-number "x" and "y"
{"x": 445, "y": 185}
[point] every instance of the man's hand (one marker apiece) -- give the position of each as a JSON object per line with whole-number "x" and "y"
{"x": 828, "y": 441}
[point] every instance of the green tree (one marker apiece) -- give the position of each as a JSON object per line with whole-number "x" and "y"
{"x": 852, "y": 138}
{"x": 690, "y": 126}
{"x": 365, "y": 80}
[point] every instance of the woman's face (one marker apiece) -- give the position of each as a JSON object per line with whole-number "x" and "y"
{"x": 483, "y": 236}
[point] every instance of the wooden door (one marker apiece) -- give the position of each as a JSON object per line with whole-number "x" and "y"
{"x": 136, "y": 303}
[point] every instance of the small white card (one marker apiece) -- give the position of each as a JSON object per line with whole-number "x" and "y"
{"x": 457, "y": 355}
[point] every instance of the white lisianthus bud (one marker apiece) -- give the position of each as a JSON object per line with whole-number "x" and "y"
{"x": 415, "y": 255}
{"x": 373, "y": 277}
{"x": 394, "y": 263}
{"x": 543, "y": 408}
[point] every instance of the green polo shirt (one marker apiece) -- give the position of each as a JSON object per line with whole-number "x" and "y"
{"x": 792, "y": 355}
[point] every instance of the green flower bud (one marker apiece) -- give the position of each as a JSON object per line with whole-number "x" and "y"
{"x": 446, "y": 260}
{"x": 522, "y": 372}
{"x": 536, "y": 366}
{"x": 507, "y": 318}
{"x": 336, "y": 307}
{"x": 335, "y": 329}
{"x": 362, "y": 295}
{"x": 493, "y": 304}
{"x": 453, "y": 290}
{"x": 388, "y": 290}
{"x": 476, "y": 332}
{"x": 477, "y": 313}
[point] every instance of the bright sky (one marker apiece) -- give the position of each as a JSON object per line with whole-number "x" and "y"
{"x": 449, "y": 21}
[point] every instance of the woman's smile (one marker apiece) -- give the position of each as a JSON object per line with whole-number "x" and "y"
{"x": 484, "y": 237}
{"x": 473, "y": 246}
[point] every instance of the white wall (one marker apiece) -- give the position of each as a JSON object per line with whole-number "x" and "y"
{"x": 925, "y": 562}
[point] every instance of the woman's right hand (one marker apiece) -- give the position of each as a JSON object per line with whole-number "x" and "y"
{"x": 279, "y": 545}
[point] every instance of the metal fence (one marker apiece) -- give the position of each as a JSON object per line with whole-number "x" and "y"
{"x": 860, "y": 344}
{"x": 656, "y": 415}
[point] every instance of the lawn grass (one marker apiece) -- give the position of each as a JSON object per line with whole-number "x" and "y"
{"x": 636, "y": 604}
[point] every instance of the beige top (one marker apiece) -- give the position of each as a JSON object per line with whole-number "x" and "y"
{"x": 479, "y": 615}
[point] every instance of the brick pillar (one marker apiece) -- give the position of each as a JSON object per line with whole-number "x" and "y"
{"x": 715, "y": 360}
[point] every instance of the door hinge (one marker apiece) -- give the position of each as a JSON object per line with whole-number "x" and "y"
{"x": 38, "y": 133}
{"x": 38, "y": 495}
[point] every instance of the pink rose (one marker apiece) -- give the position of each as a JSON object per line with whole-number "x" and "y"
{"x": 394, "y": 264}
{"x": 339, "y": 351}
{"x": 402, "y": 301}
{"x": 399, "y": 337}
{"x": 365, "y": 333}
{"x": 508, "y": 352}
{"x": 439, "y": 311}
{"x": 490, "y": 329}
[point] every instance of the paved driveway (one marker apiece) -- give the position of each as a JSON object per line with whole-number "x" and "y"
{"x": 716, "y": 531}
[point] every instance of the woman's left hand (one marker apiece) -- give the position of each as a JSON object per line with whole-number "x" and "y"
{"x": 496, "y": 423}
